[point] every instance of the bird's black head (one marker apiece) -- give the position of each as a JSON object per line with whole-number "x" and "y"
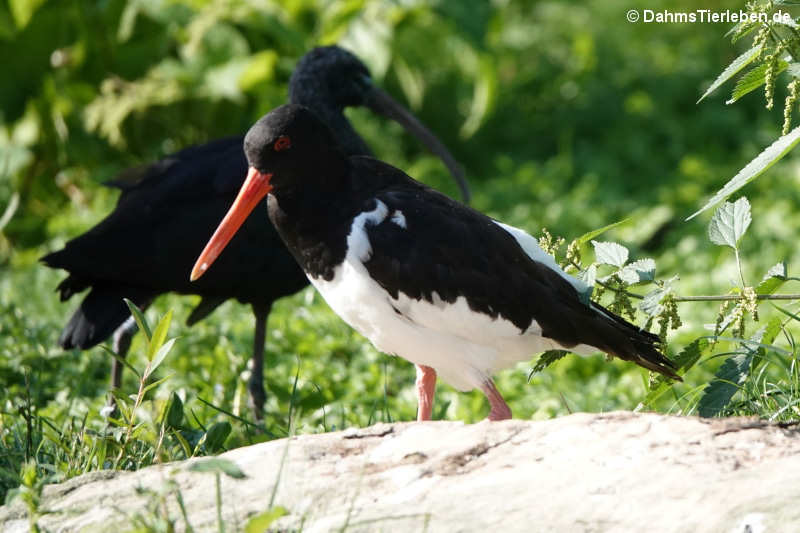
{"x": 329, "y": 77}
{"x": 286, "y": 150}
{"x": 291, "y": 142}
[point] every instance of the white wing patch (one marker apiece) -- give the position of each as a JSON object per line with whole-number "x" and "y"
{"x": 535, "y": 252}
{"x": 358, "y": 245}
{"x": 399, "y": 218}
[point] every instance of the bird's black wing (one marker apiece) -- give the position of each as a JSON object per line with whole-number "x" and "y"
{"x": 443, "y": 250}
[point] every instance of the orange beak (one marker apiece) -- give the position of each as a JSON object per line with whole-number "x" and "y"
{"x": 255, "y": 188}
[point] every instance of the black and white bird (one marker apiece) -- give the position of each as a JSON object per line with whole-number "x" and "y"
{"x": 420, "y": 275}
{"x": 145, "y": 247}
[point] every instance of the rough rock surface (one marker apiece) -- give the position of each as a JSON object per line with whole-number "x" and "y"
{"x": 585, "y": 472}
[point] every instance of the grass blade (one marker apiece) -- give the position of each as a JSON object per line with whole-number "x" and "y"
{"x": 586, "y": 237}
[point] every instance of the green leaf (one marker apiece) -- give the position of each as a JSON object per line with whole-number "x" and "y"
{"x": 161, "y": 354}
{"x": 262, "y": 521}
{"x": 589, "y": 275}
{"x": 753, "y": 79}
{"x": 174, "y": 416}
{"x": 218, "y": 465}
{"x": 730, "y": 222}
{"x": 123, "y": 404}
{"x": 586, "y": 237}
{"x": 155, "y": 384}
{"x": 778, "y": 270}
{"x": 122, "y": 360}
{"x": 139, "y": 317}
{"x": 215, "y": 437}
{"x": 775, "y": 277}
{"x": 738, "y": 64}
{"x": 788, "y": 313}
{"x": 610, "y": 253}
{"x": 546, "y": 359}
{"x": 159, "y": 334}
{"x": 771, "y": 332}
{"x": 638, "y": 271}
{"x": 755, "y": 168}
{"x": 740, "y": 30}
{"x": 651, "y": 303}
{"x": 728, "y": 379}
{"x": 685, "y": 360}
{"x": 736, "y": 369}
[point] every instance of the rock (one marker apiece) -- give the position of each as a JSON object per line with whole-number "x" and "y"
{"x": 584, "y": 472}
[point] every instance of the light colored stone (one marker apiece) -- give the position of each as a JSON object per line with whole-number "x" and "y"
{"x": 584, "y": 472}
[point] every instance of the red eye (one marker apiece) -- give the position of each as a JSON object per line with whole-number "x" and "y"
{"x": 283, "y": 143}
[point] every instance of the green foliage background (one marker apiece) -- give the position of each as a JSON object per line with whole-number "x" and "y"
{"x": 564, "y": 115}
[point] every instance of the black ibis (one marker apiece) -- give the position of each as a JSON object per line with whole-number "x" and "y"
{"x": 417, "y": 273}
{"x": 145, "y": 247}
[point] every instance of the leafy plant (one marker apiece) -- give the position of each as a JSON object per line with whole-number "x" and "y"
{"x": 775, "y": 48}
{"x": 739, "y": 373}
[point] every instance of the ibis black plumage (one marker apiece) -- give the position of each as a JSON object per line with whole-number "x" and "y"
{"x": 146, "y": 246}
{"x": 420, "y": 275}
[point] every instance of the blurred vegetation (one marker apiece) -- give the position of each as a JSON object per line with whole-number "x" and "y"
{"x": 565, "y": 116}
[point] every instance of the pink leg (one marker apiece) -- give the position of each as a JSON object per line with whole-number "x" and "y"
{"x": 426, "y": 387}
{"x": 499, "y": 408}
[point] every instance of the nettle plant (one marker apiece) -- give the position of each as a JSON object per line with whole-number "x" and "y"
{"x": 632, "y": 287}
{"x": 756, "y": 377}
{"x": 774, "y": 51}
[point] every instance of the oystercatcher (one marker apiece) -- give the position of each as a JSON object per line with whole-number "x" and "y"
{"x": 147, "y": 244}
{"x": 420, "y": 275}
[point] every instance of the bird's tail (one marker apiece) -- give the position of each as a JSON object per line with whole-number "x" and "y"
{"x": 631, "y": 343}
{"x": 99, "y": 315}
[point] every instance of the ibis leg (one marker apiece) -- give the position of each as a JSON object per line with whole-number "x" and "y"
{"x": 255, "y": 386}
{"x": 426, "y": 387}
{"x": 121, "y": 343}
{"x": 499, "y": 409}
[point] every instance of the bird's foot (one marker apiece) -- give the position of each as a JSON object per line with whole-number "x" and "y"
{"x": 499, "y": 409}
{"x": 426, "y": 388}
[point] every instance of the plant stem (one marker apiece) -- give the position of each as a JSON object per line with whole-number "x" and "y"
{"x": 132, "y": 421}
{"x": 735, "y": 297}
{"x": 702, "y": 298}
{"x": 739, "y": 267}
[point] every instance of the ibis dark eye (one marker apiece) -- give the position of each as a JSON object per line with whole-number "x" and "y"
{"x": 283, "y": 143}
